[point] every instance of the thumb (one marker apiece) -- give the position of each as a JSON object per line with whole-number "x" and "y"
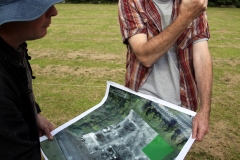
{"x": 194, "y": 130}
{"x": 48, "y": 134}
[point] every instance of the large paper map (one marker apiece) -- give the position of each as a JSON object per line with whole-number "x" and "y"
{"x": 125, "y": 125}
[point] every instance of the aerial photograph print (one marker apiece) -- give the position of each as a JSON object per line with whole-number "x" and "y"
{"x": 125, "y": 126}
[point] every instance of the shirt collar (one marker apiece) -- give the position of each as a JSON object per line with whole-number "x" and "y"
{"x": 9, "y": 53}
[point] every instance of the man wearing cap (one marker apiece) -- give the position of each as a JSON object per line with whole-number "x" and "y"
{"x": 21, "y": 123}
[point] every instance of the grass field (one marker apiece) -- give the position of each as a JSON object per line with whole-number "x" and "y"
{"x": 83, "y": 50}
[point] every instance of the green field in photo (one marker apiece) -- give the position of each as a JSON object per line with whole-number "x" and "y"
{"x": 157, "y": 149}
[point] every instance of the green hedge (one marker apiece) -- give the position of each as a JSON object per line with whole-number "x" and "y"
{"x": 211, "y": 3}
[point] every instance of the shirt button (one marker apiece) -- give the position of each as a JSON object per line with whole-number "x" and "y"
{"x": 145, "y": 20}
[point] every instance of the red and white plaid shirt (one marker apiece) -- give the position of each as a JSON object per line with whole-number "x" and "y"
{"x": 141, "y": 16}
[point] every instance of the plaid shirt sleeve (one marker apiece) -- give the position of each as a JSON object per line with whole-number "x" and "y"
{"x": 130, "y": 20}
{"x": 198, "y": 29}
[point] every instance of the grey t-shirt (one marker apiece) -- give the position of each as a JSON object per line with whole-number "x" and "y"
{"x": 163, "y": 81}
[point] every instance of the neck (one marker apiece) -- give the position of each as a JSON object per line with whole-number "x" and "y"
{"x": 164, "y": 1}
{"x": 9, "y": 34}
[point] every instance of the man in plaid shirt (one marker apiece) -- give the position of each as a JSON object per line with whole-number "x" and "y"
{"x": 168, "y": 55}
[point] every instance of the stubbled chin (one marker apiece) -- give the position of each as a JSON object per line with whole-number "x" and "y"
{"x": 44, "y": 33}
{"x": 39, "y": 36}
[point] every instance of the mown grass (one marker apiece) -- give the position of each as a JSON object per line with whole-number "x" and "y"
{"x": 83, "y": 50}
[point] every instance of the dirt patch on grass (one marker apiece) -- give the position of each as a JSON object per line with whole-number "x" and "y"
{"x": 78, "y": 56}
{"x": 227, "y": 45}
{"x": 223, "y": 31}
{"x": 229, "y": 71}
{"x": 45, "y": 53}
{"x": 95, "y": 56}
{"x": 64, "y": 71}
{"x": 231, "y": 79}
{"x": 217, "y": 62}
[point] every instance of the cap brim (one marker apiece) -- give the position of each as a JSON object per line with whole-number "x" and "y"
{"x": 25, "y": 10}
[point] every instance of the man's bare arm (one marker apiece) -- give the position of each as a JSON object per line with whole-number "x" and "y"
{"x": 148, "y": 52}
{"x": 203, "y": 71}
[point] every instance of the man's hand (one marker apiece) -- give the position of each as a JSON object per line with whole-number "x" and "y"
{"x": 200, "y": 125}
{"x": 191, "y": 9}
{"x": 44, "y": 126}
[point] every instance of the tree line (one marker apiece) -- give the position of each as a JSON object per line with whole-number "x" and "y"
{"x": 211, "y": 3}
{"x": 92, "y": 1}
